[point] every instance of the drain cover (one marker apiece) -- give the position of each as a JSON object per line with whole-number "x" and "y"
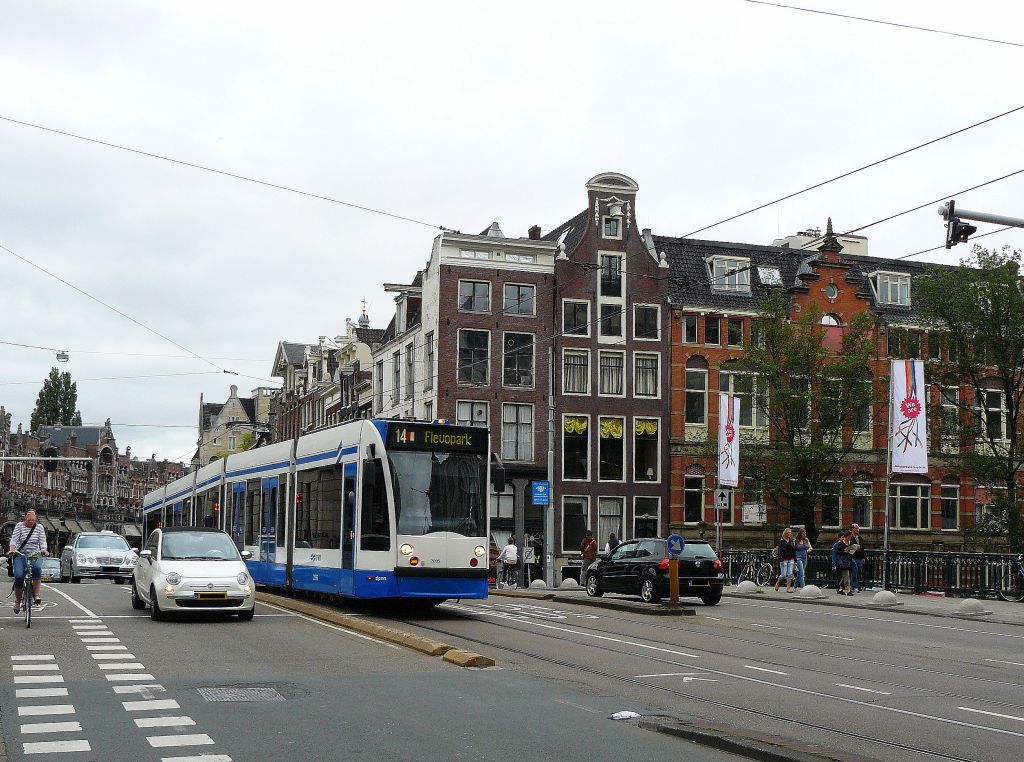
{"x": 240, "y": 694}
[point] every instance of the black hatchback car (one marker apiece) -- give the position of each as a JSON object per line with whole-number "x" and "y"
{"x": 641, "y": 567}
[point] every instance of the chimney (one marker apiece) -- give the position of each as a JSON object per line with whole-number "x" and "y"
{"x": 534, "y": 233}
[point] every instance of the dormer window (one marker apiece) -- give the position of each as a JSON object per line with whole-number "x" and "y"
{"x": 893, "y": 288}
{"x": 611, "y": 227}
{"x": 729, "y": 274}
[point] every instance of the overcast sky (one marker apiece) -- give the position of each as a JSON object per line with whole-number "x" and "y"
{"x": 455, "y": 114}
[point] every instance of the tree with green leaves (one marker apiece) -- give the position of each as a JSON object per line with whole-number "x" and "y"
{"x": 978, "y": 310}
{"x": 814, "y": 393}
{"x": 57, "y": 402}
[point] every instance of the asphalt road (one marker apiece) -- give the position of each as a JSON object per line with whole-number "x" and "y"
{"x": 95, "y": 680}
{"x": 873, "y": 683}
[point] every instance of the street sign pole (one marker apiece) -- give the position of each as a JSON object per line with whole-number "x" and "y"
{"x": 673, "y": 580}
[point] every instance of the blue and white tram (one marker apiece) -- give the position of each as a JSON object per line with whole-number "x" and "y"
{"x": 368, "y": 509}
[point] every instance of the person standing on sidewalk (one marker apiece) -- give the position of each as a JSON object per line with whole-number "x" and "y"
{"x": 588, "y": 549}
{"x": 841, "y": 562}
{"x": 803, "y": 547}
{"x": 857, "y": 569}
{"x": 787, "y": 558}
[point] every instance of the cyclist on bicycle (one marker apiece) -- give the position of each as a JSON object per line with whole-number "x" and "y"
{"x": 508, "y": 562}
{"x": 27, "y": 539}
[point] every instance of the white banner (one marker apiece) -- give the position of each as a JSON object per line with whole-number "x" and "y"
{"x": 908, "y": 421}
{"x": 728, "y": 440}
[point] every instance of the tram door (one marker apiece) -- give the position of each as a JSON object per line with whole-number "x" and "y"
{"x": 236, "y": 526}
{"x": 268, "y": 522}
{"x": 346, "y": 583}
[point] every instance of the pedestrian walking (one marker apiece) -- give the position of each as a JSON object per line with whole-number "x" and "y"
{"x": 612, "y": 544}
{"x": 857, "y": 569}
{"x": 841, "y": 562}
{"x": 803, "y": 548}
{"x": 787, "y": 558}
{"x": 588, "y": 549}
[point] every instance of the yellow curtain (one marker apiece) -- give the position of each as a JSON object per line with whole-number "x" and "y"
{"x": 611, "y": 427}
{"x": 646, "y": 427}
{"x": 575, "y": 424}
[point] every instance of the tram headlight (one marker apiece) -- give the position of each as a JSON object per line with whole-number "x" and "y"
{"x": 173, "y": 578}
{"x": 479, "y": 551}
{"x": 406, "y": 549}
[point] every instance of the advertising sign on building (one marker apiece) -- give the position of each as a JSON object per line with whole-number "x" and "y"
{"x": 755, "y": 513}
{"x": 908, "y": 428}
{"x": 728, "y": 440}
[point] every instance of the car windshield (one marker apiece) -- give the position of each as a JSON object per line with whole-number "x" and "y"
{"x": 104, "y": 541}
{"x": 198, "y": 546}
{"x": 698, "y": 550}
{"x": 439, "y": 492}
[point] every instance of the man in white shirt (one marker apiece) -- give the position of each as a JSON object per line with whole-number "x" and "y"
{"x": 27, "y": 539}
{"x": 509, "y": 557}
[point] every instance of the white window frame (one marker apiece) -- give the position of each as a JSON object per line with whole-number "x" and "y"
{"x": 487, "y": 374}
{"x": 565, "y": 387}
{"x": 625, "y": 380}
{"x": 740, "y": 278}
{"x": 620, "y": 307}
{"x": 719, "y": 319}
{"x": 471, "y": 421}
{"x": 756, "y": 414}
{"x": 504, "y": 304}
{"x": 703, "y": 490}
{"x": 605, "y": 218}
{"x": 533, "y": 360}
{"x": 590, "y": 448}
{"x": 858, "y": 485}
{"x": 601, "y": 534}
{"x": 518, "y": 423}
{"x": 625, "y": 450}
{"x": 458, "y": 296}
{"x": 396, "y": 376}
{"x": 585, "y": 499}
{"x": 657, "y": 461}
{"x": 657, "y": 500}
{"x": 696, "y": 328}
{"x": 498, "y": 499}
{"x": 428, "y": 410}
{"x": 891, "y": 278}
{"x": 942, "y": 500}
{"x": 984, "y": 410}
{"x": 657, "y": 375}
{"x": 589, "y": 322}
{"x": 657, "y": 320}
{"x": 410, "y": 371}
{"x": 728, "y": 324}
{"x": 892, "y": 504}
{"x": 428, "y": 361}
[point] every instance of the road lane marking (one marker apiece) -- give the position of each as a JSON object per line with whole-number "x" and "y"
{"x": 201, "y": 758}
{"x": 834, "y": 637}
{"x": 866, "y": 690}
{"x": 104, "y": 633}
{"x": 33, "y": 657}
{"x": 332, "y": 626}
{"x": 44, "y": 709}
{"x": 762, "y": 669}
{"x": 198, "y": 739}
{"x": 82, "y": 626}
{"x": 164, "y": 722}
{"x": 107, "y": 648}
{"x": 100, "y": 640}
{"x": 95, "y": 620}
{"x": 36, "y": 668}
{"x": 765, "y": 626}
{"x": 40, "y": 692}
{"x": 81, "y": 608}
{"x": 123, "y": 665}
{"x": 143, "y": 689}
{"x": 22, "y": 679}
{"x": 997, "y": 661}
{"x": 712, "y": 618}
{"x": 992, "y": 714}
{"x": 578, "y": 706}
{"x": 129, "y": 676}
{"x": 113, "y": 656}
{"x": 149, "y": 705}
{"x": 56, "y": 747}
{"x": 671, "y": 674}
{"x": 51, "y": 727}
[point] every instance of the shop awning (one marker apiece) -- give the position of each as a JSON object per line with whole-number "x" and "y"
{"x": 132, "y": 530}
{"x": 47, "y": 524}
{"x": 73, "y": 526}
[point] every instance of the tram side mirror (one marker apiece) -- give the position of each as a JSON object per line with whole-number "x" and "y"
{"x": 497, "y": 477}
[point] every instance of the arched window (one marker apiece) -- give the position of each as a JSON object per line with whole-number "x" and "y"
{"x": 832, "y": 320}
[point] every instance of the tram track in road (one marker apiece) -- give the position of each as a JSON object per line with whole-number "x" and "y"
{"x": 828, "y": 730}
{"x": 805, "y": 652}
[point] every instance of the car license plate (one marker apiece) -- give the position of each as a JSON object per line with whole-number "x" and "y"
{"x": 108, "y": 568}
{"x": 211, "y": 596}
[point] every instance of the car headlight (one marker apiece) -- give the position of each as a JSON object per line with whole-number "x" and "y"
{"x": 174, "y": 578}
{"x": 132, "y": 560}
{"x": 243, "y": 578}
{"x": 479, "y": 550}
{"x": 81, "y": 558}
{"x": 406, "y": 549}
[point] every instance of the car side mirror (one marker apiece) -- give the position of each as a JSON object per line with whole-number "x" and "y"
{"x": 146, "y": 554}
{"x": 246, "y": 555}
{"x": 605, "y": 556}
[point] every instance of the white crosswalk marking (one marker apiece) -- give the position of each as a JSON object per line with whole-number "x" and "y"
{"x": 85, "y": 621}
{"x": 100, "y": 640}
{"x": 113, "y": 656}
{"x": 45, "y": 709}
{"x": 51, "y": 727}
{"x": 35, "y": 668}
{"x": 33, "y": 657}
{"x": 123, "y": 677}
{"x": 107, "y": 648}
{"x": 150, "y": 705}
{"x": 164, "y": 722}
{"x": 22, "y": 679}
{"x": 104, "y": 633}
{"x": 56, "y": 747}
{"x": 200, "y": 758}
{"x": 198, "y": 739}
{"x": 40, "y": 692}
{"x": 122, "y": 665}
{"x": 144, "y": 688}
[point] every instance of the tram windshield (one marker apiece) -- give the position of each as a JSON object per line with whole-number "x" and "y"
{"x": 439, "y": 492}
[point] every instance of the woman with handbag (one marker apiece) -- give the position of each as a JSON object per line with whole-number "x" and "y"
{"x": 803, "y": 548}
{"x": 786, "y": 550}
{"x": 841, "y": 562}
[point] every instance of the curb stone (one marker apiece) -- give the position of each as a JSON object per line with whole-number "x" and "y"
{"x": 764, "y": 748}
{"x": 467, "y": 658}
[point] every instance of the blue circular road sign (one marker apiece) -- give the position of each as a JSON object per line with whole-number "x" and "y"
{"x": 676, "y": 543}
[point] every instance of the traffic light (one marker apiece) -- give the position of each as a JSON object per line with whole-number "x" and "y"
{"x": 958, "y": 232}
{"x": 50, "y": 465}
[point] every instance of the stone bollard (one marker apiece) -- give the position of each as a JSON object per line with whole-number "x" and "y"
{"x": 884, "y": 598}
{"x": 971, "y": 607}
{"x": 538, "y": 583}
{"x": 811, "y": 592}
{"x": 747, "y": 586}
{"x": 569, "y": 584}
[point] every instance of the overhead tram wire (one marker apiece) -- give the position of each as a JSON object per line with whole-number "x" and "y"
{"x": 224, "y": 173}
{"x": 120, "y": 378}
{"x": 121, "y": 354}
{"x": 852, "y": 172}
{"x": 888, "y": 23}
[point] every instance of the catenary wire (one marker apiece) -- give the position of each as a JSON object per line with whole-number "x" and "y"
{"x": 122, "y": 354}
{"x": 888, "y": 23}
{"x": 119, "y": 378}
{"x": 222, "y": 172}
{"x": 852, "y": 172}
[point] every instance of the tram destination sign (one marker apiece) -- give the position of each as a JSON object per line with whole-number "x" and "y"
{"x": 431, "y": 437}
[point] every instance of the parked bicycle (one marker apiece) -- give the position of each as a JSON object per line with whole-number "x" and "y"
{"x": 757, "y": 570}
{"x": 1012, "y": 587}
{"x": 28, "y": 596}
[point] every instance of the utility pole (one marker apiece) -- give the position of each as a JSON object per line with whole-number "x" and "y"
{"x": 959, "y": 232}
{"x": 549, "y": 512}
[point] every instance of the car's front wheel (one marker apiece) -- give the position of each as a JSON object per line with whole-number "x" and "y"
{"x": 62, "y": 577}
{"x": 711, "y": 600}
{"x": 246, "y": 616}
{"x": 154, "y": 606}
{"x": 594, "y": 586}
{"x": 137, "y": 603}
{"x": 649, "y": 591}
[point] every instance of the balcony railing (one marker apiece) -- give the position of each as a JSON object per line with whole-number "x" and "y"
{"x": 913, "y": 571}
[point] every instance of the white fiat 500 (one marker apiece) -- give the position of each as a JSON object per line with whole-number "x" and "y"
{"x": 186, "y": 569}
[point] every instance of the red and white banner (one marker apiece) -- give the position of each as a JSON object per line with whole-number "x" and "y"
{"x": 728, "y": 440}
{"x": 908, "y": 422}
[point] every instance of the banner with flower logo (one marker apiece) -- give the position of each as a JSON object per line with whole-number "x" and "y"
{"x": 728, "y": 440}
{"x": 908, "y": 427}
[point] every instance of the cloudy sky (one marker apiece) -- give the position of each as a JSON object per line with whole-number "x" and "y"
{"x": 451, "y": 113}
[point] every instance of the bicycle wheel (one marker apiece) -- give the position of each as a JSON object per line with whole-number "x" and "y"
{"x": 28, "y": 606}
{"x": 745, "y": 574}
{"x": 1013, "y": 589}
{"x": 764, "y": 575}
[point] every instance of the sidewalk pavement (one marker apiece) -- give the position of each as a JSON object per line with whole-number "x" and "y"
{"x": 996, "y": 611}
